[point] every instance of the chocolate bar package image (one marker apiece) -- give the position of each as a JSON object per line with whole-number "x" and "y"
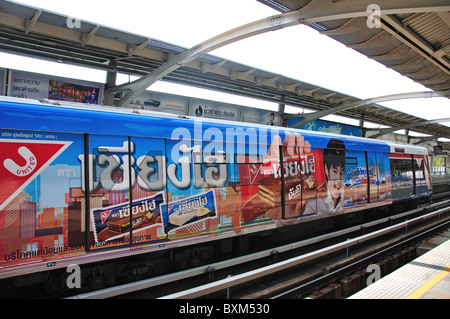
{"x": 189, "y": 210}
{"x": 304, "y": 179}
{"x": 114, "y": 222}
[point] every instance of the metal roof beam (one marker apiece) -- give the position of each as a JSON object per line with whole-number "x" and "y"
{"x": 34, "y": 26}
{"x": 134, "y": 49}
{"x": 85, "y": 38}
{"x": 346, "y": 106}
{"x": 408, "y": 125}
{"x": 29, "y": 24}
{"x": 426, "y": 139}
{"x": 418, "y": 44}
{"x": 176, "y": 61}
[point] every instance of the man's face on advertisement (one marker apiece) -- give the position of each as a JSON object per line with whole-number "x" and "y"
{"x": 335, "y": 180}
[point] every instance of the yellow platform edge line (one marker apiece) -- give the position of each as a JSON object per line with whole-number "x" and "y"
{"x": 439, "y": 295}
{"x": 429, "y": 284}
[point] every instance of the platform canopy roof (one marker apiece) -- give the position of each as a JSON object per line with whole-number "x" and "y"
{"x": 413, "y": 39}
{"x": 409, "y": 36}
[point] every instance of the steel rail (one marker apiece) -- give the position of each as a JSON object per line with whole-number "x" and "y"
{"x": 267, "y": 270}
{"x": 339, "y": 272}
{"x": 201, "y": 270}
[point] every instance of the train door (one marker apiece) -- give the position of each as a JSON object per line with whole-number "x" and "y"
{"x": 40, "y": 206}
{"x": 422, "y": 181}
{"x": 294, "y": 168}
{"x": 374, "y": 176}
{"x": 378, "y": 176}
{"x": 402, "y": 181}
{"x": 148, "y": 192}
{"x": 255, "y": 182}
{"x": 384, "y": 188}
{"x": 428, "y": 180}
{"x": 126, "y": 190}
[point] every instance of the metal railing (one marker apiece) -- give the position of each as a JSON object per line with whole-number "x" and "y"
{"x": 439, "y": 170}
{"x": 267, "y": 270}
{"x": 232, "y": 281}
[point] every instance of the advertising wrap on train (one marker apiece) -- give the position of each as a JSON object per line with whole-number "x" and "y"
{"x": 58, "y": 201}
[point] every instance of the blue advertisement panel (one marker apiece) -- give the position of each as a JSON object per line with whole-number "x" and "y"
{"x": 41, "y": 211}
{"x": 327, "y": 127}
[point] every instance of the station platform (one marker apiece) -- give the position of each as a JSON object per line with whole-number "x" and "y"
{"x": 426, "y": 277}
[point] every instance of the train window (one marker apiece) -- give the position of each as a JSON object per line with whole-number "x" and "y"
{"x": 373, "y": 175}
{"x": 258, "y": 181}
{"x": 355, "y": 179}
{"x": 196, "y": 173}
{"x": 402, "y": 182}
{"x": 298, "y": 180}
{"x": 384, "y": 176}
{"x": 110, "y": 181}
{"x": 351, "y": 161}
{"x": 329, "y": 176}
{"x": 249, "y": 168}
{"x": 211, "y": 169}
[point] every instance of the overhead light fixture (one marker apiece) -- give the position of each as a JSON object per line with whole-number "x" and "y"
{"x": 276, "y": 5}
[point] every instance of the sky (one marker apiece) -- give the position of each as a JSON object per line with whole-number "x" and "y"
{"x": 298, "y": 52}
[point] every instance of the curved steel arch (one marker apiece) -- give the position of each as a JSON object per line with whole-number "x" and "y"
{"x": 254, "y": 28}
{"x": 271, "y": 23}
{"x": 385, "y": 131}
{"x": 402, "y": 96}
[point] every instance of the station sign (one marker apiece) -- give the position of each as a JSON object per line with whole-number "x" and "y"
{"x": 215, "y": 110}
{"x": 161, "y": 102}
{"x": 260, "y": 116}
{"x": 202, "y": 108}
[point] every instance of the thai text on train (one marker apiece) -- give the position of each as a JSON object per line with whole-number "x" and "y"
{"x": 187, "y": 155}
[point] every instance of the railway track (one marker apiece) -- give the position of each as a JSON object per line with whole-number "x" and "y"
{"x": 306, "y": 268}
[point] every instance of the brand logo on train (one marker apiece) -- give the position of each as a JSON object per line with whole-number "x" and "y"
{"x": 104, "y": 215}
{"x": 199, "y": 111}
{"x": 21, "y": 161}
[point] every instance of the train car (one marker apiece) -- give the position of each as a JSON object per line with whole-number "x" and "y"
{"x": 86, "y": 184}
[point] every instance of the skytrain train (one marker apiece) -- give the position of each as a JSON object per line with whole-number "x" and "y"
{"x": 94, "y": 184}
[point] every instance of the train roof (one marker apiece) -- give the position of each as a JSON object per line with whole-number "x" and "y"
{"x": 27, "y": 114}
{"x": 399, "y": 147}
